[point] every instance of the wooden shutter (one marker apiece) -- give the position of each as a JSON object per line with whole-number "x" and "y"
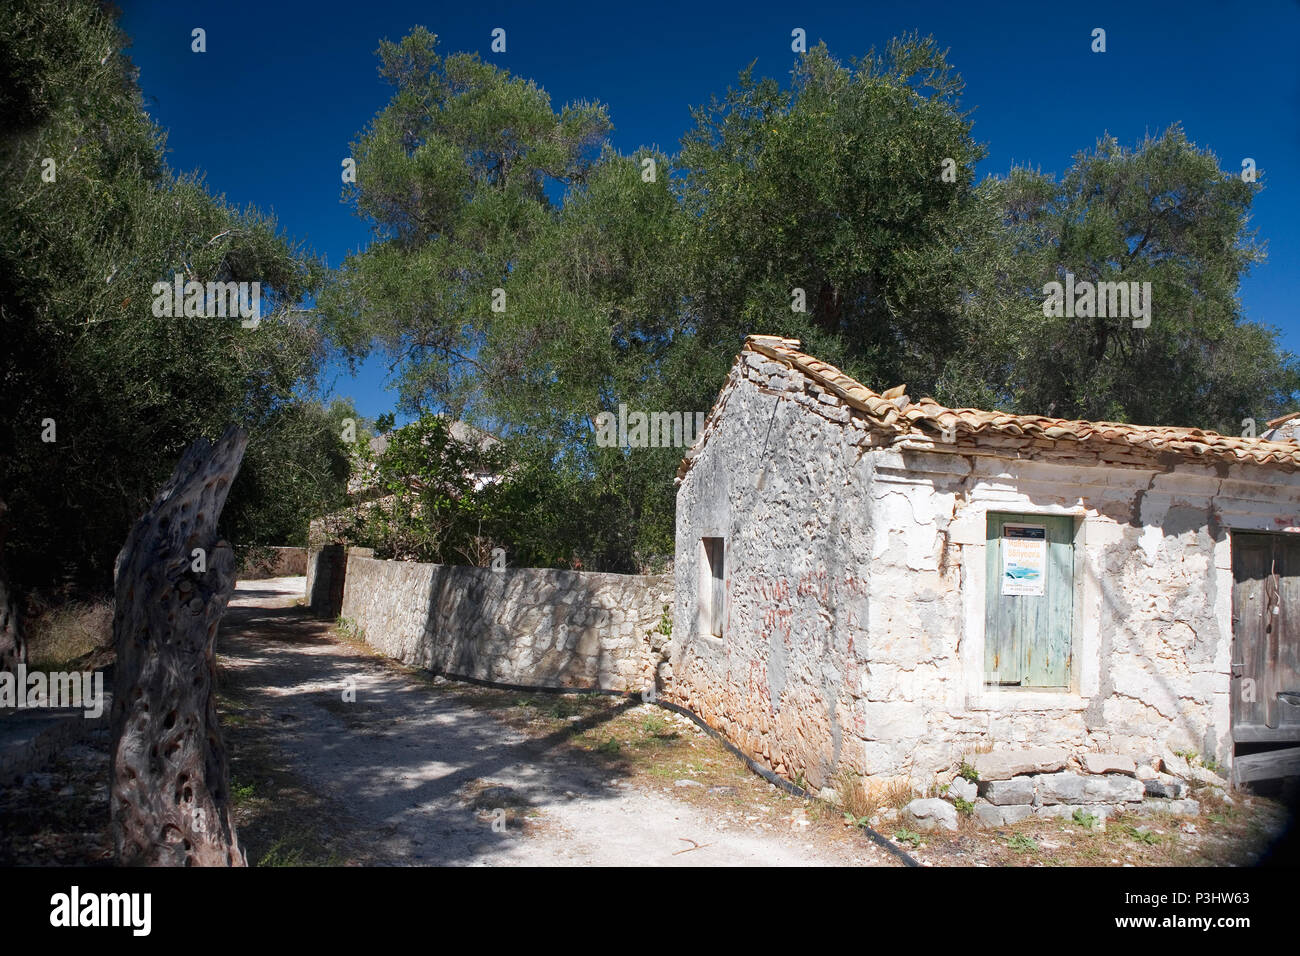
{"x": 1027, "y": 637}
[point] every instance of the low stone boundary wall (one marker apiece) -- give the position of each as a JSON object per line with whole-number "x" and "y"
{"x": 534, "y": 626}
{"x": 275, "y": 562}
{"x": 325, "y": 570}
{"x": 29, "y": 739}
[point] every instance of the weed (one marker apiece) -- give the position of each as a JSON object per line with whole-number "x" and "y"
{"x": 1085, "y": 820}
{"x": 654, "y": 726}
{"x": 665, "y": 623}
{"x": 908, "y": 837}
{"x": 1142, "y": 835}
{"x": 350, "y": 630}
{"x": 856, "y": 799}
{"x": 897, "y": 793}
{"x": 968, "y": 772}
{"x": 964, "y": 807}
{"x": 1022, "y": 844}
{"x": 240, "y": 793}
{"x": 610, "y": 746}
{"x": 281, "y": 855}
{"x": 564, "y": 708}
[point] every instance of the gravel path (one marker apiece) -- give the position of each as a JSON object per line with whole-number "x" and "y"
{"x": 411, "y": 763}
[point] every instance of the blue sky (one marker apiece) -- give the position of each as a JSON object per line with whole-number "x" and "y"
{"x": 269, "y": 110}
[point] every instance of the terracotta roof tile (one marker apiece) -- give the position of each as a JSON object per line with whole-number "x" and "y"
{"x": 893, "y": 411}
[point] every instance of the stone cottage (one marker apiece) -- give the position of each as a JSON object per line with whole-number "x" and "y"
{"x": 887, "y": 586}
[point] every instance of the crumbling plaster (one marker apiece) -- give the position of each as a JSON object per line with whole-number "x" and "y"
{"x": 854, "y": 620}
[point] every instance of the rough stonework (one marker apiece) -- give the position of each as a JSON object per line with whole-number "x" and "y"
{"x": 931, "y": 814}
{"x": 853, "y": 621}
{"x": 529, "y": 626}
{"x": 273, "y": 562}
{"x": 1005, "y": 764}
{"x": 326, "y": 567}
{"x": 1109, "y": 763}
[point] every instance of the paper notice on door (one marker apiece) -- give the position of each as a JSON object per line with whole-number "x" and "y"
{"x": 1024, "y": 559}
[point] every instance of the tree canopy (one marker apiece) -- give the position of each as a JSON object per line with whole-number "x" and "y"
{"x": 526, "y": 274}
{"x": 101, "y": 395}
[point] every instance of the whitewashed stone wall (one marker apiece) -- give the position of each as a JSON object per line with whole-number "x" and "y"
{"x": 854, "y": 623}
{"x": 528, "y": 626}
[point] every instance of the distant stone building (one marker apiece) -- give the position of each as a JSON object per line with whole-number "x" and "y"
{"x": 1286, "y": 428}
{"x": 871, "y": 583}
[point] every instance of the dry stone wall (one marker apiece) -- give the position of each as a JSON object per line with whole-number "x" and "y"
{"x": 530, "y": 626}
{"x": 273, "y": 562}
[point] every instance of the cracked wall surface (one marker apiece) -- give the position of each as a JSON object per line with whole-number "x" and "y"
{"x": 855, "y": 565}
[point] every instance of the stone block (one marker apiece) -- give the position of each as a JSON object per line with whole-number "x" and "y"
{"x": 1054, "y": 788}
{"x": 892, "y": 720}
{"x": 1112, "y": 788}
{"x": 1179, "y": 808}
{"x": 961, "y": 787}
{"x": 1109, "y": 763}
{"x": 932, "y": 814}
{"x": 1164, "y": 786}
{"x": 1018, "y": 790}
{"x": 1003, "y": 765}
{"x": 990, "y": 815}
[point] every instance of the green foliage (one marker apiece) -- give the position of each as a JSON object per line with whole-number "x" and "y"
{"x": 1022, "y": 843}
{"x": 452, "y": 174}
{"x": 666, "y": 622}
{"x": 283, "y": 852}
{"x": 430, "y": 496}
{"x": 296, "y": 469}
{"x": 834, "y": 186}
{"x": 127, "y": 390}
{"x": 968, "y": 772}
{"x": 907, "y": 836}
{"x": 1163, "y": 213}
{"x": 964, "y": 807}
{"x": 654, "y": 726}
{"x": 349, "y": 629}
{"x": 625, "y": 288}
{"x": 1083, "y": 819}
{"x": 241, "y": 792}
{"x": 565, "y": 707}
{"x": 1142, "y": 835}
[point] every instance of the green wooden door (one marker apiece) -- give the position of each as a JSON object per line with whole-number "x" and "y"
{"x": 1029, "y": 600}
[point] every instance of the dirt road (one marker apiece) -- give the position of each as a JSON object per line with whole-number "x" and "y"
{"x": 432, "y": 772}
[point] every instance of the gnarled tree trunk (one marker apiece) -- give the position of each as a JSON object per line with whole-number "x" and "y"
{"x": 170, "y": 786}
{"x": 13, "y": 651}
